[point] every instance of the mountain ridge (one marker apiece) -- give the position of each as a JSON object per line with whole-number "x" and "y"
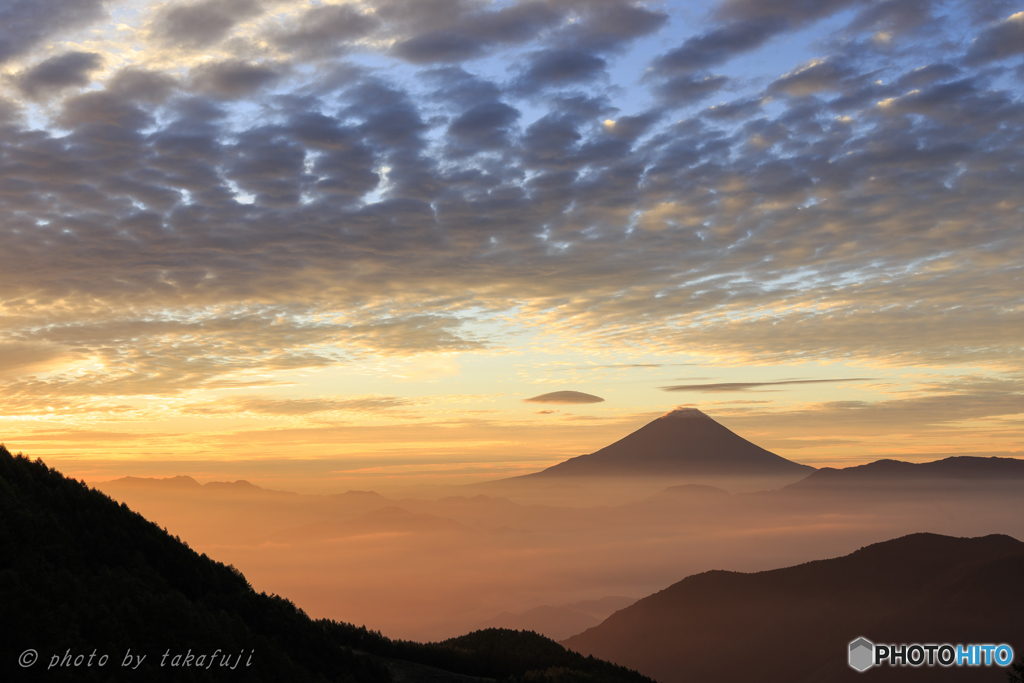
{"x": 963, "y": 470}
{"x": 684, "y": 444}
{"x": 916, "y": 588}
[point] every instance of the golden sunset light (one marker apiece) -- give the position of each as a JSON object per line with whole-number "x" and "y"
{"x": 262, "y": 232}
{"x": 447, "y": 316}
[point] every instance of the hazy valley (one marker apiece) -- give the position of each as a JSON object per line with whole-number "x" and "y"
{"x": 428, "y": 569}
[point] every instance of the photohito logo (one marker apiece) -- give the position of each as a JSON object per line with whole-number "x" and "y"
{"x": 864, "y": 654}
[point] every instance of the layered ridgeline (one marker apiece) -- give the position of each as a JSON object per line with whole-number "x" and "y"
{"x": 959, "y": 473}
{"x": 91, "y": 591}
{"x": 795, "y": 624}
{"x": 684, "y": 445}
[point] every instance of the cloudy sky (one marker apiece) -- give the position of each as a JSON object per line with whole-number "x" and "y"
{"x": 354, "y": 239}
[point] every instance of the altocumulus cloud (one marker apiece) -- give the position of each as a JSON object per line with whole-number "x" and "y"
{"x": 227, "y": 187}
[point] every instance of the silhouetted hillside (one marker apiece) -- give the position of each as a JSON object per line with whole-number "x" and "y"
{"x": 81, "y": 574}
{"x": 795, "y": 624}
{"x": 527, "y": 656}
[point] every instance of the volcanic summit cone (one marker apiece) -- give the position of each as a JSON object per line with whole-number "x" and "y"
{"x": 684, "y": 442}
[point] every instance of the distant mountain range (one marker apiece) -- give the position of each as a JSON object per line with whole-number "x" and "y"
{"x": 188, "y": 484}
{"x": 77, "y": 570}
{"x": 686, "y": 445}
{"x": 715, "y": 626}
{"x": 795, "y": 624}
{"x": 957, "y": 472}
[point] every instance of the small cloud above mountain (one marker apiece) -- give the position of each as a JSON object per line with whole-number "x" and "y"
{"x": 565, "y": 398}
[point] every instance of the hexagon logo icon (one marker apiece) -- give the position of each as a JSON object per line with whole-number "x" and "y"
{"x": 862, "y": 654}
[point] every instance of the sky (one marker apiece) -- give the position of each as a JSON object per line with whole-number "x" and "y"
{"x": 333, "y": 245}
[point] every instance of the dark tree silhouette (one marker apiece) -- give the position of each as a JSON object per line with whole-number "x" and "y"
{"x": 80, "y": 573}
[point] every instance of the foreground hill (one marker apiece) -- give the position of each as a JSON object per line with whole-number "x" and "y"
{"x": 795, "y": 624}
{"x": 683, "y": 445}
{"x": 80, "y": 574}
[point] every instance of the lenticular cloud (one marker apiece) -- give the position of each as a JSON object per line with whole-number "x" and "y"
{"x": 565, "y": 397}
